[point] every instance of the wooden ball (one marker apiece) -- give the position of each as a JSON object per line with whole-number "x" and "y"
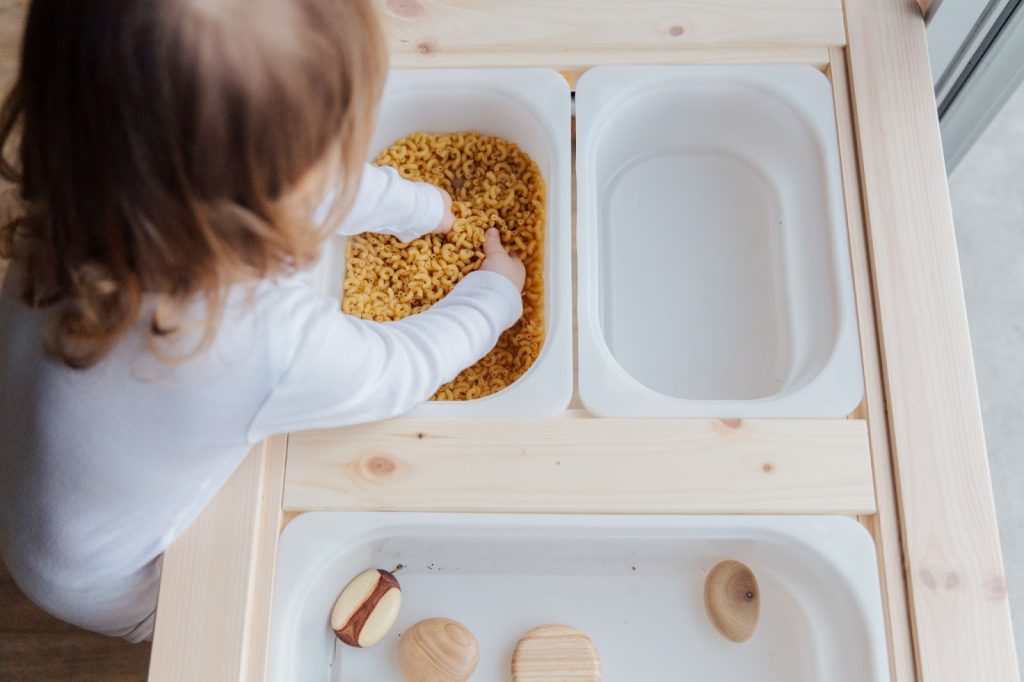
{"x": 438, "y": 650}
{"x": 732, "y": 600}
{"x": 555, "y": 653}
{"x": 367, "y": 608}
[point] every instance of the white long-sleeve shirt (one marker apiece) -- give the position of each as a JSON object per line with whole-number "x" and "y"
{"x": 101, "y": 469}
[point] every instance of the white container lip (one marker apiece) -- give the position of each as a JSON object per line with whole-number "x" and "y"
{"x": 319, "y": 549}
{"x": 605, "y": 387}
{"x": 535, "y": 113}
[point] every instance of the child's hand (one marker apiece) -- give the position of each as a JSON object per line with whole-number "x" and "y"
{"x": 496, "y": 259}
{"x": 447, "y": 217}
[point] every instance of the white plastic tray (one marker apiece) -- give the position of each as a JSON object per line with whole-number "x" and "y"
{"x": 633, "y": 583}
{"x": 532, "y": 108}
{"x": 714, "y": 275}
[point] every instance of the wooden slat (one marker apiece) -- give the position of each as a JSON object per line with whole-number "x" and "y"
{"x": 883, "y": 525}
{"x": 584, "y": 465}
{"x": 959, "y": 607}
{"x": 578, "y": 61}
{"x": 213, "y": 611}
{"x": 573, "y": 35}
{"x": 269, "y": 524}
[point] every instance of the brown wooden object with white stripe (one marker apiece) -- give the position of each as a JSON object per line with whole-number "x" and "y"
{"x": 367, "y": 608}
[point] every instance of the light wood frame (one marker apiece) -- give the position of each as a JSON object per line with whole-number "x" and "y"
{"x": 911, "y": 464}
{"x": 929, "y": 505}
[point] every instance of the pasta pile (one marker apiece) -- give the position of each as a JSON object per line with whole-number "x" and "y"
{"x": 493, "y": 183}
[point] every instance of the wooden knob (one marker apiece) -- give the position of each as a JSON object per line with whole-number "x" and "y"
{"x": 367, "y": 608}
{"x": 438, "y": 650}
{"x": 555, "y": 653}
{"x": 732, "y": 600}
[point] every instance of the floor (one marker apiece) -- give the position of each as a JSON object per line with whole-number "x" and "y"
{"x": 988, "y": 207}
{"x": 35, "y": 647}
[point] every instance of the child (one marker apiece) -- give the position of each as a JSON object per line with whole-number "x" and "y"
{"x": 173, "y": 164}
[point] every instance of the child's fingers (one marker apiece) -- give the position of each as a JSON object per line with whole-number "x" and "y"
{"x": 492, "y": 243}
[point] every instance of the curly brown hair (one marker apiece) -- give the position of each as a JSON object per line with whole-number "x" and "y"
{"x": 158, "y": 149}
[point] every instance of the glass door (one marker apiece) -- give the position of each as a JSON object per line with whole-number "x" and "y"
{"x": 977, "y": 55}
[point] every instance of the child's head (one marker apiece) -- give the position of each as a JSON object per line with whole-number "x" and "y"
{"x": 163, "y": 144}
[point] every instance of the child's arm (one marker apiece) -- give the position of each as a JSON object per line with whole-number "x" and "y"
{"x": 389, "y": 204}
{"x": 341, "y": 370}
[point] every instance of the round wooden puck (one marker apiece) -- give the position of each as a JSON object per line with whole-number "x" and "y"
{"x": 555, "y": 653}
{"x": 438, "y": 650}
{"x": 733, "y": 600}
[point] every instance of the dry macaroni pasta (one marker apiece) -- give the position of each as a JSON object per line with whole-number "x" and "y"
{"x": 493, "y": 183}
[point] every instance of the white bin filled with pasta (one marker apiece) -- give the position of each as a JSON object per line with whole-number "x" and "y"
{"x": 499, "y": 141}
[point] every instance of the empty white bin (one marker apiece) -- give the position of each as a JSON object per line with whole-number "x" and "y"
{"x": 532, "y": 108}
{"x": 714, "y": 274}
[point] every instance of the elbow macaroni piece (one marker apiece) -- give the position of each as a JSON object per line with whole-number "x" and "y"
{"x": 493, "y": 183}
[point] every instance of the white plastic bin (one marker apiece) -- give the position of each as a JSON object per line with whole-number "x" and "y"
{"x": 634, "y": 584}
{"x": 530, "y": 107}
{"x": 714, "y": 275}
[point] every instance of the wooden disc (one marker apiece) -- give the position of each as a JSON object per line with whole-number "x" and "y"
{"x": 555, "y": 653}
{"x": 438, "y": 650}
{"x": 732, "y": 600}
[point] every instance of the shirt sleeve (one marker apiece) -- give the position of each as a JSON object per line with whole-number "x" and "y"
{"x": 344, "y": 370}
{"x": 389, "y": 204}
